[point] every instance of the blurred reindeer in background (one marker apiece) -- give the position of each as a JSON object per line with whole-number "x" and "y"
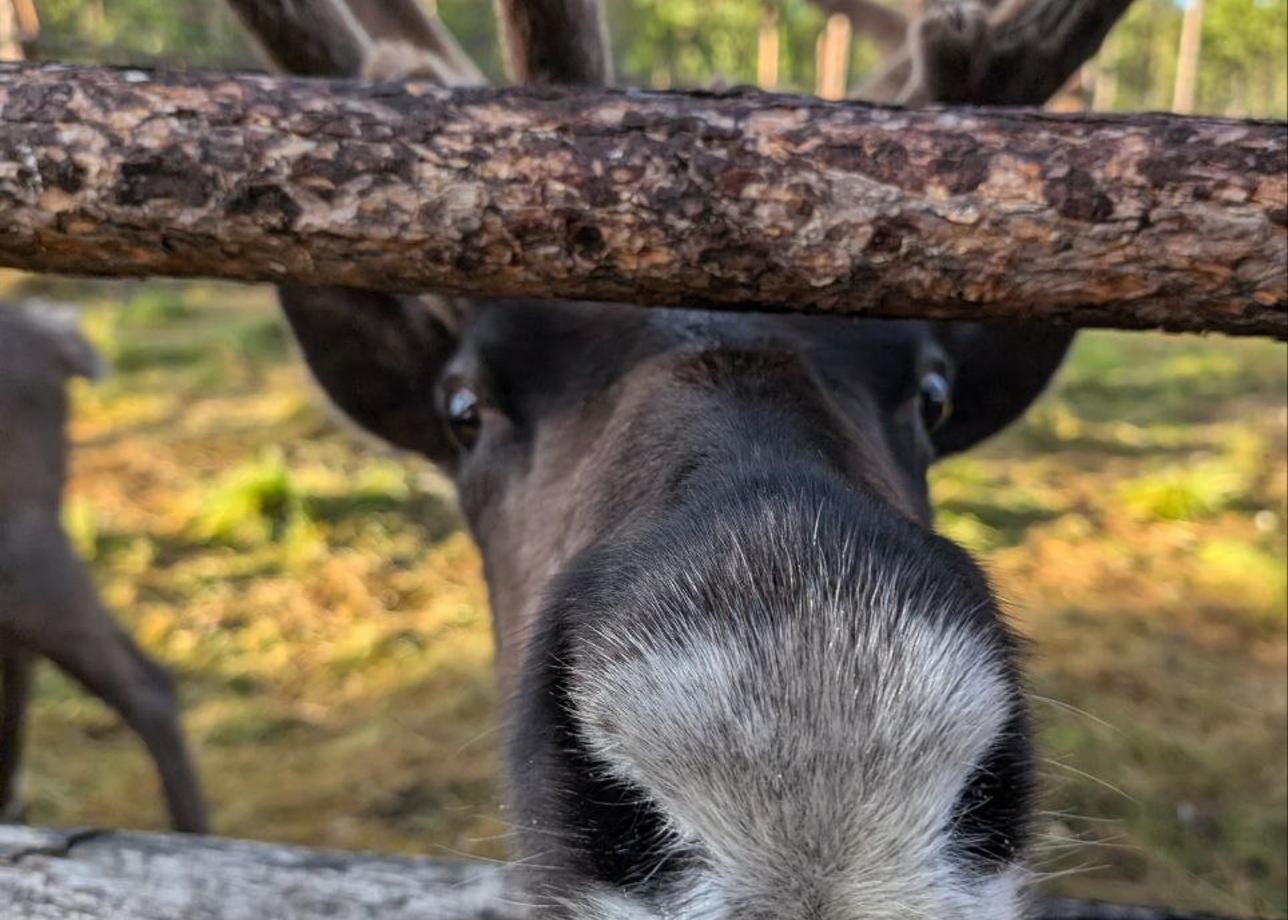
{"x": 48, "y": 605}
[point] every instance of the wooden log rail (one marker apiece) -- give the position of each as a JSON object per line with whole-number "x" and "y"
{"x": 735, "y": 199}
{"x": 116, "y": 875}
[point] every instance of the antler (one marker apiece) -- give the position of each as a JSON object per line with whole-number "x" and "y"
{"x": 405, "y": 33}
{"x": 315, "y": 38}
{"x": 555, "y": 41}
{"x": 387, "y": 38}
{"x": 1017, "y": 52}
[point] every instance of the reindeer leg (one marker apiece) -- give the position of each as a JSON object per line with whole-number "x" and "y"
{"x": 102, "y": 658}
{"x": 56, "y": 613}
{"x": 15, "y": 686}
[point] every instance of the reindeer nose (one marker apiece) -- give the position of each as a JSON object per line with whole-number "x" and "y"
{"x": 800, "y": 683}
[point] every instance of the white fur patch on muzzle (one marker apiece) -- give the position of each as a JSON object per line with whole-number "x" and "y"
{"x": 810, "y": 753}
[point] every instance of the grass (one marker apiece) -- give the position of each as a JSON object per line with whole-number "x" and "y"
{"x": 326, "y": 617}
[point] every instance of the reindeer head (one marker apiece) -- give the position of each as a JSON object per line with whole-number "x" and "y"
{"x": 742, "y": 676}
{"x": 741, "y": 672}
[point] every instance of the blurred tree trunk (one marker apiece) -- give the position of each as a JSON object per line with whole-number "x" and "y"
{"x": 767, "y": 50}
{"x": 28, "y": 20}
{"x": 1187, "y": 58}
{"x": 885, "y": 26}
{"x": 10, "y": 43}
{"x": 833, "y": 58}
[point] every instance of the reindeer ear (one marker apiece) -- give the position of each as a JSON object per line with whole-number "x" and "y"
{"x": 378, "y": 357}
{"x": 1000, "y": 369}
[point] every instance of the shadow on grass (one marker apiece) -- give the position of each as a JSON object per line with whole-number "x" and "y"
{"x": 433, "y": 515}
{"x": 1010, "y": 524}
{"x": 1144, "y": 403}
{"x": 1027, "y": 441}
{"x": 137, "y": 358}
{"x": 307, "y": 422}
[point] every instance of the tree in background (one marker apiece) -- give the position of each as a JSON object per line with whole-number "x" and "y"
{"x": 10, "y": 48}
{"x": 19, "y": 25}
{"x": 195, "y": 33}
{"x": 1187, "y": 62}
{"x": 678, "y": 43}
{"x": 1243, "y": 70}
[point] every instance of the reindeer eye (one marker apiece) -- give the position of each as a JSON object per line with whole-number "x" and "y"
{"x": 934, "y": 400}
{"x": 463, "y": 415}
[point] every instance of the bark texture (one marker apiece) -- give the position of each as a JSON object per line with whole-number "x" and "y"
{"x": 737, "y": 199}
{"x": 107, "y": 875}
{"x": 113, "y": 875}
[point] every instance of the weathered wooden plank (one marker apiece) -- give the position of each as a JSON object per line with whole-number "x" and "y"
{"x": 737, "y": 200}
{"x": 110, "y": 875}
{"x": 117, "y": 875}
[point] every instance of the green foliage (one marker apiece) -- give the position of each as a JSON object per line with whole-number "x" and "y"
{"x": 81, "y": 523}
{"x": 1186, "y": 492}
{"x": 253, "y": 502}
{"x": 153, "y": 308}
{"x": 195, "y": 33}
{"x": 474, "y": 25}
{"x": 681, "y": 43}
{"x": 1243, "y": 64}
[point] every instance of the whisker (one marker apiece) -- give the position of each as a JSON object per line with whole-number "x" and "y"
{"x": 1069, "y": 707}
{"x": 1095, "y": 779}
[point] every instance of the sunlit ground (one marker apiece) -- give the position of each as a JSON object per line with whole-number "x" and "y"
{"x": 325, "y": 615}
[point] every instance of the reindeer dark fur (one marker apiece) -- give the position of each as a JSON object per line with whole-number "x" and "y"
{"x": 48, "y": 605}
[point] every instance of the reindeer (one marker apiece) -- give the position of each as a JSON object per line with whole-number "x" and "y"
{"x": 48, "y": 605}
{"x": 742, "y": 676}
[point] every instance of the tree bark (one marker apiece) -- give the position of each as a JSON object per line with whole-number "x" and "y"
{"x": 114, "y": 875}
{"x": 109, "y": 875}
{"x": 738, "y": 199}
